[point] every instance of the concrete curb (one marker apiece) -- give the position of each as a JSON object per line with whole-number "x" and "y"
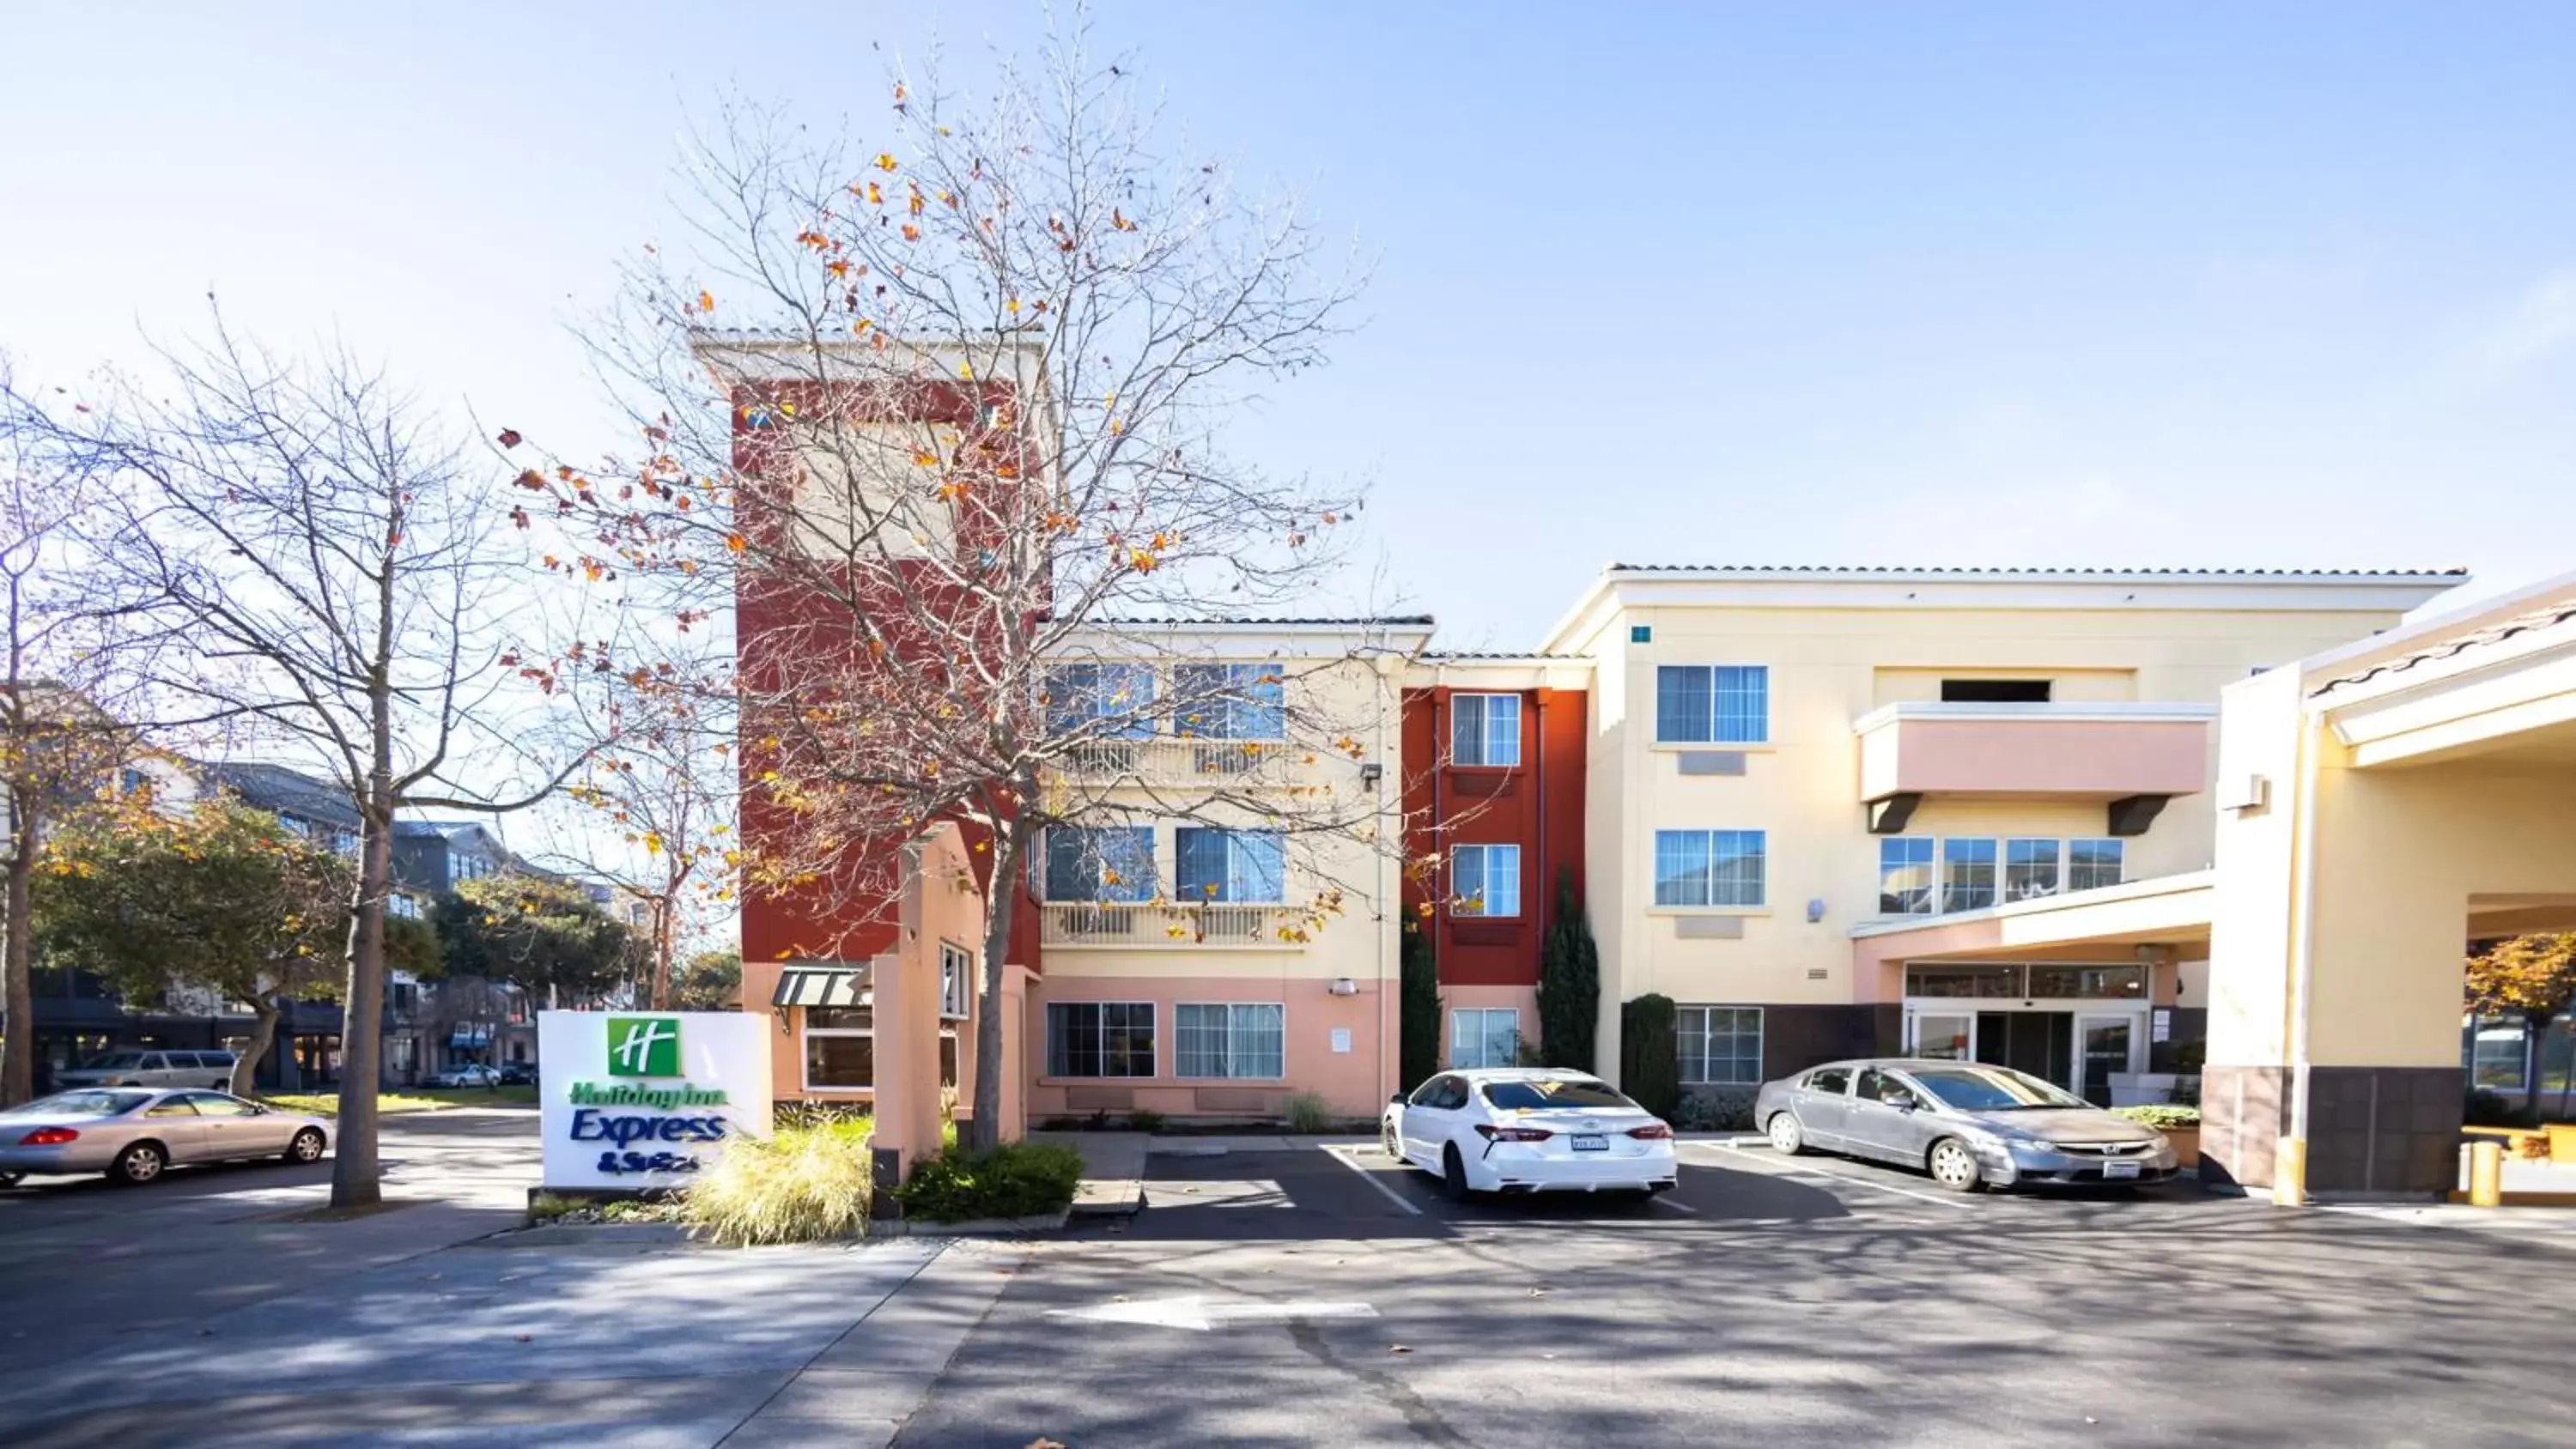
{"x": 1104, "y": 1201}
{"x": 547, "y": 1235}
{"x": 974, "y": 1228}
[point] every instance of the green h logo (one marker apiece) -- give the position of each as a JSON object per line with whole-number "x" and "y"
{"x": 643, "y": 1046}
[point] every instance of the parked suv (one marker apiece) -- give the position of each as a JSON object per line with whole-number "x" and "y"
{"x": 165, "y": 1068}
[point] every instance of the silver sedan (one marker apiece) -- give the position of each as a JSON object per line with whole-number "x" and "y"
{"x": 1969, "y": 1124}
{"x": 133, "y": 1133}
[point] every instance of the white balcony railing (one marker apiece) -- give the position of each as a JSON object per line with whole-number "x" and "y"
{"x": 1174, "y": 761}
{"x": 1150, "y": 924}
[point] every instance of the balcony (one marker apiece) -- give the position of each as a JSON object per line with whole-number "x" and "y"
{"x": 1148, "y": 925}
{"x": 2134, "y": 757}
{"x": 1166, "y": 761}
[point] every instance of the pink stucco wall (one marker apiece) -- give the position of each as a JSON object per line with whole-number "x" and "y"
{"x": 1523, "y": 999}
{"x": 1353, "y": 1084}
{"x": 2035, "y": 756}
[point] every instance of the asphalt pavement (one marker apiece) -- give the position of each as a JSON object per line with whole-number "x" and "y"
{"x": 1334, "y": 1298}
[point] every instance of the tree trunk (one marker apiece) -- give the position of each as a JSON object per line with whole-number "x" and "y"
{"x": 356, "y": 1180}
{"x": 1008, "y": 846}
{"x": 18, "y": 1045}
{"x": 662, "y": 913}
{"x": 265, "y": 1013}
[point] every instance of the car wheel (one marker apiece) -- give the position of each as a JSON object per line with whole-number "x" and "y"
{"x": 1787, "y": 1137}
{"x": 1453, "y": 1174}
{"x": 307, "y": 1146}
{"x": 1954, "y": 1166}
{"x": 138, "y": 1164}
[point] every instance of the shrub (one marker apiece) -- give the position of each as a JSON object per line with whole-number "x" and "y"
{"x": 1418, "y": 1009}
{"x": 1014, "y": 1180}
{"x": 2162, "y": 1116}
{"x": 808, "y": 1182}
{"x": 1144, "y": 1119}
{"x": 1569, "y": 982}
{"x": 1715, "y": 1109}
{"x": 1307, "y": 1113}
{"x": 1649, "y": 1069}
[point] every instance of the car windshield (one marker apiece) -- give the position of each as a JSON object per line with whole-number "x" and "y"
{"x": 116, "y": 1062}
{"x": 105, "y": 1102}
{"x": 1539, "y": 1096}
{"x": 1991, "y": 1089}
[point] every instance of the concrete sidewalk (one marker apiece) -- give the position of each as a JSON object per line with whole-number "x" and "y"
{"x": 1113, "y": 1171}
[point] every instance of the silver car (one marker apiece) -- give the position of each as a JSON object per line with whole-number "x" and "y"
{"x": 133, "y": 1133}
{"x": 1969, "y": 1124}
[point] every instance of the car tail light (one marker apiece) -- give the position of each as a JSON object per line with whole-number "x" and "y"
{"x": 1493, "y": 1133}
{"x": 48, "y": 1137}
{"x": 1651, "y": 1131}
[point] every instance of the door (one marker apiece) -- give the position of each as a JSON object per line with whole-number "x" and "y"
{"x": 1885, "y": 1119}
{"x": 2103, "y": 1045}
{"x": 176, "y": 1123}
{"x": 1946, "y": 1036}
{"x": 1429, "y": 1116}
{"x": 1823, "y": 1099}
{"x": 234, "y": 1128}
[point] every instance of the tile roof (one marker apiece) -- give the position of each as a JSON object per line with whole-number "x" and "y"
{"x": 1359, "y": 621}
{"x": 2456, "y": 644}
{"x": 1437, "y": 655}
{"x": 1894, "y": 570}
{"x": 279, "y": 790}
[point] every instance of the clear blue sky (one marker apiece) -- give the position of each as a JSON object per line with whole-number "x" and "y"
{"x": 2261, "y": 285}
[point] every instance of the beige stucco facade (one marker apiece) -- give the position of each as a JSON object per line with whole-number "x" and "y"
{"x": 2134, "y": 663}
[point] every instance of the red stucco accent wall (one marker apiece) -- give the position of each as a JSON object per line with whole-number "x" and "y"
{"x": 1537, "y": 805}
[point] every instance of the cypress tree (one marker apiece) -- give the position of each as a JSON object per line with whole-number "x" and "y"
{"x": 1569, "y": 983}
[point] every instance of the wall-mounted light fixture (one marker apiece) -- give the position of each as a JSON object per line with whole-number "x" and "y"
{"x": 1370, "y": 774}
{"x": 1344, "y": 986}
{"x": 1815, "y": 910}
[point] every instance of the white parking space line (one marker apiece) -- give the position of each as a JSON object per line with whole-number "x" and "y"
{"x": 1349, "y": 1159}
{"x": 1664, "y": 1200}
{"x": 1744, "y": 1154}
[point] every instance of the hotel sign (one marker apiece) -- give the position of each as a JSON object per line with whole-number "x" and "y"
{"x": 648, "y": 1099}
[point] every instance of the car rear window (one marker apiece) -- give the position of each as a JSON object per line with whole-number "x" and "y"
{"x": 1539, "y": 1096}
{"x": 98, "y": 1102}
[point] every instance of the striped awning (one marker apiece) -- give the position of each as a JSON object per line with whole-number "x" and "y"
{"x": 823, "y": 986}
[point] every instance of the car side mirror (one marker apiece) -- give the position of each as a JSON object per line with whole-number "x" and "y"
{"x": 1397, "y": 1099}
{"x": 1903, "y": 1101}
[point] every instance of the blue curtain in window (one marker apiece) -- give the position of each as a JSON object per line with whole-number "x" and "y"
{"x": 1743, "y": 704}
{"x": 1231, "y": 865}
{"x": 1681, "y": 703}
{"x": 1114, "y": 863}
{"x": 1079, "y": 694}
{"x": 1681, "y": 867}
{"x": 1230, "y": 702}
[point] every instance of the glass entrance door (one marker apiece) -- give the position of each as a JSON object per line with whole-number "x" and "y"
{"x": 1949, "y": 1036}
{"x": 2103, "y": 1045}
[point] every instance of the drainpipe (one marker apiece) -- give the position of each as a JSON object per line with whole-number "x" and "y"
{"x": 2290, "y": 1151}
{"x": 1388, "y": 890}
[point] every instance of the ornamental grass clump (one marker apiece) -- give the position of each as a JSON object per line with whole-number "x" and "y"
{"x": 809, "y": 1182}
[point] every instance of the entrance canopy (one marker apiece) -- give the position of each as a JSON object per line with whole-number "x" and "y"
{"x": 2168, "y": 915}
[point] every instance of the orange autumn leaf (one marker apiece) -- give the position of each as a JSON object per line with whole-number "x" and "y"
{"x": 706, "y": 301}
{"x": 509, "y": 437}
{"x": 885, "y": 161}
{"x": 875, "y": 197}
{"x": 911, "y": 232}
{"x": 736, "y": 543}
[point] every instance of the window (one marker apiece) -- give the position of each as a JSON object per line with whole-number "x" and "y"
{"x": 1110, "y": 701}
{"x": 1106, "y": 863}
{"x": 1484, "y": 1037}
{"x": 1100, "y": 1038}
{"x": 1832, "y": 1081}
{"x": 1878, "y": 1086}
{"x": 956, "y": 981}
{"x": 2496, "y": 1054}
{"x": 1539, "y": 1096}
{"x": 215, "y": 1104}
{"x": 1485, "y": 880}
{"x": 2101, "y": 983}
{"x": 1230, "y": 1039}
{"x": 1719, "y": 1045}
{"x": 1484, "y": 729}
{"x": 840, "y": 1048}
{"x": 1231, "y": 865}
{"x": 1996, "y": 982}
{"x": 1905, "y": 875}
{"x": 1641, "y": 633}
{"x": 2092, "y": 864}
{"x": 1722, "y": 704}
{"x": 1967, "y": 875}
{"x": 2030, "y": 869}
{"x": 1994, "y": 691}
{"x": 1709, "y": 867}
{"x": 1230, "y": 702}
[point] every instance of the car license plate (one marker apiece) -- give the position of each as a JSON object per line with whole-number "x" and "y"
{"x": 2112, "y": 1170}
{"x": 1591, "y": 1144}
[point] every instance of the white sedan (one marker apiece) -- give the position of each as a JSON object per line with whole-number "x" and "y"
{"x": 1529, "y": 1129}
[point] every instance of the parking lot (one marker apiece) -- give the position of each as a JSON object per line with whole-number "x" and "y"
{"x": 1328, "y": 1296}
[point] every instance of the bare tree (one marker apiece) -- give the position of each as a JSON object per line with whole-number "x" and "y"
{"x": 953, "y": 469}
{"x": 59, "y": 735}
{"x": 321, "y": 569}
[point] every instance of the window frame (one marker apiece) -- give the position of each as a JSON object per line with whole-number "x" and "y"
{"x": 1712, "y": 871}
{"x": 1151, "y": 886}
{"x": 1153, "y": 1042}
{"x": 1712, "y": 702}
{"x": 1458, "y": 899}
{"x": 1483, "y": 1041}
{"x": 1994, "y": 872}
{"x": 1930, "y": 865}
{"x": 807, "y": 1031}
{"x": 1235, "y": 839}
{"x": 1708, "y": 1036}
{"x": 1229, "y": 1008}
{"x": 1137, "y": 717}
{"x": 1486, "y": 702}
{"x": 956, "y": 989}
{"x": 1236, "y": 693}
{"x": 2119, "y": 861}
{"x": 2005, "y": 865}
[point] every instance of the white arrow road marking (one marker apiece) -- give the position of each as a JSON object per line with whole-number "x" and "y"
{"x": 1193, "y": 1311}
